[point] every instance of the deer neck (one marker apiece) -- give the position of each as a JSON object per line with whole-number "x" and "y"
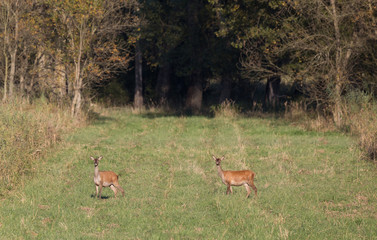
{"x": 96, "y": 171}
{"x": 220, "y": 172}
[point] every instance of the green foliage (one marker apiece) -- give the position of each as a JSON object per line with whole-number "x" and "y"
{"x": 311, "y": 185}
{"x": 115, "y": 95}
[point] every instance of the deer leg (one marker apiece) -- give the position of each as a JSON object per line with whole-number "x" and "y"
{"x": 254, "y": 188}
{"x": 247, "y": 189}
{"x": 114, "y": 190}
{"x": 96, "y": 191}
{"x": 251, "y": 184}
{"x": 228, "y": 189}
{"x": 100, "y": 190}
{"x": 120, "y": 188}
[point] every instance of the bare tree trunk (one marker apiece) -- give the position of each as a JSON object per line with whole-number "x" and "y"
{"x": 163, "y": 83}
{"x": 23, "y": 70}
{"x": 138, "y": 97}
{"x": 12, "y": 72}
{"x": 77, "y": 85}
{"x": 5, "y": 89}
{"x": 59, "y": 74}
{"x": 30, "y": 85}
{"x": 13, "y": 55}
{"x": 41, "y": 79}
{"x": 6, "y": 63}
{"x": 339, "y": 74}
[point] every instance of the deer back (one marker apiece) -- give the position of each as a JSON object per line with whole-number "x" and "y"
{"x": 108, "y": 176}
{"x": 238, "y": 177}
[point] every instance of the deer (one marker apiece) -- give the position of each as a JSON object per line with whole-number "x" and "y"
{"x": 236, "y": 178}
{"x": 105, "y": 179}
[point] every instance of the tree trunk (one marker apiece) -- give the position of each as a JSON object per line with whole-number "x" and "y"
{"x": 163, "y": 83}
{"x": 5, "y": 54}
{"x": 23, "y": 69}
{"x": 339, "y": 74}
{"x": 77, "y": 86}
{"x": 226, "y": 88}
{"x": 194, "y": 96}
{"x": 59, "y": 75}
{"x": 5, "y": 89}
{"x": 12, "y": 72}
{"x": 76, "y": 102}
{"x": 41, "y": 70}
{"x": 138, "y": 97}
{"x": 271, "y": 100}
{"x": 13, "y": 55}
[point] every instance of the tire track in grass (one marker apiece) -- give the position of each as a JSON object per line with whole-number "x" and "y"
{"x": 277, "y": 219}
{"x": 241, "y": 159}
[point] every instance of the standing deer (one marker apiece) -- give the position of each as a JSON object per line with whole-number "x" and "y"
{"x": 236, "y": 178}
{"x": 105, "y": 179}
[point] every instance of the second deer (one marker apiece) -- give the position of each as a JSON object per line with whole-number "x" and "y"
{"x": 105, "y": 179}
{"x": 236, "y": 178}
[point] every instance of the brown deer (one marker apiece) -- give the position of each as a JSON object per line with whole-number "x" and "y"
{"x": 236, "y": 178}
{"x": 105, "y": 179}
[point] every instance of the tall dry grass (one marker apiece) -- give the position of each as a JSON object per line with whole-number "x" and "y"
{"x": 360, "y": 115}
{"x": 227, "y": 109}
{"x": 359, "y": 119}
{"x": 27, "y": 132}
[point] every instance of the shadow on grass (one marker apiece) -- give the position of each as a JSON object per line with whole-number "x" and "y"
{"x": 97, "y": 119}
{"x": 102, "y": 197}
{"x": 177, "y": 113}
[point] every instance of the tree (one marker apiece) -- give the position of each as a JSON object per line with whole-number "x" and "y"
{"x": 11, "y": 12}
{"x": 256, "y": 29}
{"x": 328, "y": 38}
{"x": 86, "y": 28}
{"x": 163, "y": 32}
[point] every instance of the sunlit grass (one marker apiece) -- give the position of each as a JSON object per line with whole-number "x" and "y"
{"x": 310, "y": 185}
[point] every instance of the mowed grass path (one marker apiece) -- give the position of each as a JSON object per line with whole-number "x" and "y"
{"x": 310, "y": 185}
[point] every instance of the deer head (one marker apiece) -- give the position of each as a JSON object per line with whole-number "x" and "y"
{"x": 95, "y": 160}
{"x": 218, "y": 160}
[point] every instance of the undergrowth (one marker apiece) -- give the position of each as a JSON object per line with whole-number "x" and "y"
{"x": 359, "y": 111}
{"x": 27, "y": 132}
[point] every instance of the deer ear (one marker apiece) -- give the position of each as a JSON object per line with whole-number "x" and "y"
{"x": 214, "y": 158}
{"x": 92, "y": 158}
{"x": 222, "y": 158}
{"x": 99, "y": 158}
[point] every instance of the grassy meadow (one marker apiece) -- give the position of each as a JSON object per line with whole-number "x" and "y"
{"x": 311, "y": 185}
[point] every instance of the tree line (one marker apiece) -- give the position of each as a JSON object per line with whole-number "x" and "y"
{"x": 185, "y": 52}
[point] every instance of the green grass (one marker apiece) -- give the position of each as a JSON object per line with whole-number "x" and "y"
{"x": 311, "y": 185}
